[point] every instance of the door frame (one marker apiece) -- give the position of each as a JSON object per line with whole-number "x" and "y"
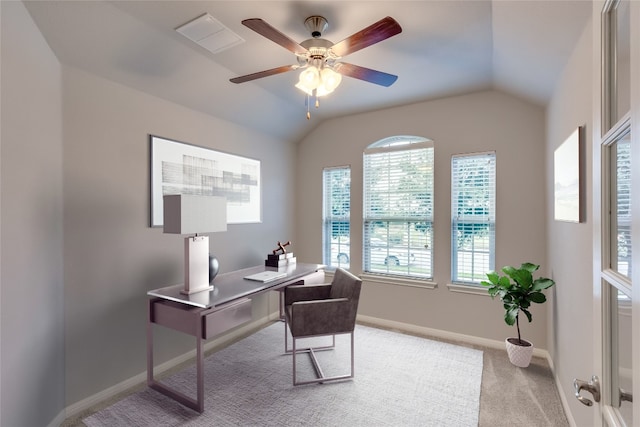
{"x": 604, "y": 414}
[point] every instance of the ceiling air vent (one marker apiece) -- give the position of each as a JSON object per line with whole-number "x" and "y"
{"x": 209, "y": 33}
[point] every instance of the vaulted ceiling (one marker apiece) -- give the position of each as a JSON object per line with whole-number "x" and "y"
{"x": 446, "y": 48}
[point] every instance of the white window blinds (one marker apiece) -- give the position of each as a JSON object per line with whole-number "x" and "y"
{"x": 335, "y": 218}
{"x": 398, "y": 207}
{"x": 473, "y": 194}
{"x": 621, "y": 212}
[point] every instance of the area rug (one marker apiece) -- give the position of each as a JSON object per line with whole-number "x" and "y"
{"x": 400, "y": 380}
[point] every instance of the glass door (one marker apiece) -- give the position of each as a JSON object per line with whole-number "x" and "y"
{"x": 616, "y": 209}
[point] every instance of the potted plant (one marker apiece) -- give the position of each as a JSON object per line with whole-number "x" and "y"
{"x": 517, "y": 289}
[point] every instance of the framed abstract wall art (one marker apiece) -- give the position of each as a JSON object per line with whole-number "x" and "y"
{"x": 179, "y": 168}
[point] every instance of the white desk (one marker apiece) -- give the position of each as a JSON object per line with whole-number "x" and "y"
{"x": 210, "y": 313}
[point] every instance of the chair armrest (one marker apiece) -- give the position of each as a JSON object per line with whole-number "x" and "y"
{"x": 323, "y": 317}
{"x": 306, "y": 293}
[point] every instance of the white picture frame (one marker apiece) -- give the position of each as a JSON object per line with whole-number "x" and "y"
{"x": 566, "y": 179}
{"x": 180, "y": 168}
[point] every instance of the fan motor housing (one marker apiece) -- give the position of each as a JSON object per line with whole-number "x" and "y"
{"x": 316, "y": 25}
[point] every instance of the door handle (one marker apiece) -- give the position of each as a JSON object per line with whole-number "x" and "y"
{"x": 592, "y": 387}
{"x": 625, "y": 395}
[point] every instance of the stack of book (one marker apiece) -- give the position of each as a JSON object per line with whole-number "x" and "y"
{"x": 280, "y": 260}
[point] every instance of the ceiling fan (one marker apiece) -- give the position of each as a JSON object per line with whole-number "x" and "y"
{"x": 321, "y": 59}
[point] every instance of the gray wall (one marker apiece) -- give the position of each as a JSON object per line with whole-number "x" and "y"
{"x": 111, "y": 255}
{"x": 570, "y": 245}
{"x": 73, "y": 304}
{"x": 32, "y": 291}
{"x": 476, "y": 122}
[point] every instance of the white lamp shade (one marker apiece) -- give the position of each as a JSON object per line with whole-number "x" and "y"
{"x": 191, "y": 214}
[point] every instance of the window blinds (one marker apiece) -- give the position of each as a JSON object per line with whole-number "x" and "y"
{"x": 336, "y": 214}
{"x": 473, "y": 183}
{"x": 399, "y": 185}
{"x": 398, "y": 209}
{"x": 621, "y": 222}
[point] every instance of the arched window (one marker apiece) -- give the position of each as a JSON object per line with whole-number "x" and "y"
{"x": 398, "y": 207}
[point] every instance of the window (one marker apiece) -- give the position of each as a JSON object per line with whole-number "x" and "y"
{"x": 473, "y": 207}
{"x": 621, "y": 205}
{"x": 398, "y": 207}
{"x": 336, "y": 196}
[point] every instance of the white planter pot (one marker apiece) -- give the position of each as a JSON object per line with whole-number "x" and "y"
{"x": 519, "y": 355}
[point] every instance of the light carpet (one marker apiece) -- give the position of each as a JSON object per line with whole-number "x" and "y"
{"x": 399, "y": 380}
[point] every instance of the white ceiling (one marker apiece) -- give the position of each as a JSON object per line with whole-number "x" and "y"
{"x": 445, "y": 48}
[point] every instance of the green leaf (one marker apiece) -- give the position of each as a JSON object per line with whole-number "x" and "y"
{"x": 542, "y": 283}
{"x": 510, "y": 316}
{"x": 537, "y": 297}
{"x": 504, "y": 282}
{"x": 493, "y": 277}
{"x": 508, "y": 270}
{"x": 528, "y": 314}
{"x": 523, "y": 278}
{"x": 529, "y": 267}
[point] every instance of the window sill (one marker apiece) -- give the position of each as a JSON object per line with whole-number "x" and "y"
{"x": 398, "y": 281}
{"x": 468, "y": 289}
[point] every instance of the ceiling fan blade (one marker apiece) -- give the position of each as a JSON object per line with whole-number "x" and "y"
{"x": 261, "y": 74}
{"x": 381, "y": 30}
{"x": 366, "y": 74}
{"x": 266, "y": 30}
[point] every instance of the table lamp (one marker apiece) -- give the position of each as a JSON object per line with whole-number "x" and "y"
{"x": 195, "y": 215}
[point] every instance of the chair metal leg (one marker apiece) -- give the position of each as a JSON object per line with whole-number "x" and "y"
{"x": 300, "y": 350}
{"x": 319, "y": 373}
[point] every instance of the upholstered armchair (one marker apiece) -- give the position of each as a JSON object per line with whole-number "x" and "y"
{"x": 322, "y": 310}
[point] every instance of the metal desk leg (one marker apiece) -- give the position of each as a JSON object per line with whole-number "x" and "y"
{"x": 195, "y": 404}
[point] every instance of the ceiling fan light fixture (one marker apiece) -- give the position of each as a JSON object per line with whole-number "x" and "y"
{"x": 317, "y": 57}
{"x": 330, "y": 79}
{"x": 323, "y": 81}
{"x": 309, "y": 80}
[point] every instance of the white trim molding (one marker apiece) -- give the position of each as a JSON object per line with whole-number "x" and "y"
{"x": 468, "y": 289}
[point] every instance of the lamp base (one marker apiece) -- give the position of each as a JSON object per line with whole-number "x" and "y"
{"x": 193, "y": 291}
{"x": 196, "y": 265}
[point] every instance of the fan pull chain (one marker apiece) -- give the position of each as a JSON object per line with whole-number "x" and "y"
{"x": 306, "y": 103}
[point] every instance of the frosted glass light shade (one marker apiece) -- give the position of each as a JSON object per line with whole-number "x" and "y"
{"x": 330, "y": 79}
{"x": 309, "y": 79}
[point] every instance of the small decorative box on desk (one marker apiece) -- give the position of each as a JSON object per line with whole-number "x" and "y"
{"x": 280, "y": 258}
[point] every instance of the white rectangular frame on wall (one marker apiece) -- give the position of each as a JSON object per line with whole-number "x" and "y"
{"x": 179, "y": 168}
{"x": 567, "y": 178}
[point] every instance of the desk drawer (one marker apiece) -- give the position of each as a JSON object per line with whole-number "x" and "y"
{"x": 223, "y": 319}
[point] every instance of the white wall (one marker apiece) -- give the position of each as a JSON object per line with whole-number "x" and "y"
{"x": 111, "y": 255}
{"x": 464, "y": 124}
{"x": 32, "y": 291}
{"x": 570, "y": 245}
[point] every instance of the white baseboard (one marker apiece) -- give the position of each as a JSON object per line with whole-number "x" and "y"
{"x": 59, "y": 419}
{"x": 140, "y": 378}
{"x": 563, "y": 399}
{"x": 108, "y": 393}
{"x": 438, "y": 333}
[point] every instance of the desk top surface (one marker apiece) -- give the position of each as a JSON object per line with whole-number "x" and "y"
{"x": 231, "y": 286}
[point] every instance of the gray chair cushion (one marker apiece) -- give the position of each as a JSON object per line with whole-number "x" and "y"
{"x": 342, "y": 285}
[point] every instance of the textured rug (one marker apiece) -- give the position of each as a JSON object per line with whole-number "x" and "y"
{"x": 400, "y": 380}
